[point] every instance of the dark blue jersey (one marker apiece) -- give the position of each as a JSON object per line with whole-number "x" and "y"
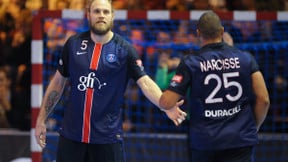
{"x": 220, "y": 96}
{"x": 98, "y": 74}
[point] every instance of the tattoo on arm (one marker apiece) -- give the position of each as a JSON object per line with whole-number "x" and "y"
{"x": 51, "y": 101}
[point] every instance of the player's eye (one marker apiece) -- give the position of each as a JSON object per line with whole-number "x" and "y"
{"x": 106, "y": 12}
{"x": 98, "y": 11}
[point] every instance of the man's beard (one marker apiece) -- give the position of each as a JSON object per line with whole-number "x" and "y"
{"x": 101, "y": 30}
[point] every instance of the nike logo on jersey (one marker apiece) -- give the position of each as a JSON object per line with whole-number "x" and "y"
{"x": 80, "y": 53}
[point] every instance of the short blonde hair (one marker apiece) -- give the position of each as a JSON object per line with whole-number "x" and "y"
{"x": 89, "y": 3}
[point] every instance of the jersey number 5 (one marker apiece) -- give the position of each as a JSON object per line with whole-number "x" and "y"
{"x": 226, "y": 83}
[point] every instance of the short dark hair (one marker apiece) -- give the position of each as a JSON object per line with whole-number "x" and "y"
{"x": 209, "y": 25}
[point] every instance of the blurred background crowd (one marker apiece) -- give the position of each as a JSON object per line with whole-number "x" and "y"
{"x": 15, "y": 43}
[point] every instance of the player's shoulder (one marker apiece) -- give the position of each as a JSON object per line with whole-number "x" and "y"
{"x": 120, "y": 40}
{"x": 74, "y": 40}
{"x": 240, "y": 51}
{"x": 80, "y": 36}
{"x": 123, "y": 43}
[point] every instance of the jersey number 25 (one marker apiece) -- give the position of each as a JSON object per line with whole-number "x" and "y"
{"x": 226, "y": 83}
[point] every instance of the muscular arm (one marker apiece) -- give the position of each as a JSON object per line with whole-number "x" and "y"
{"x": 169, "y": 99}
{"x": 150, "y": 89}
{"x": 153, "y": 93}
{"x": 51, "y": 97}
{"x": 262, "y": 98}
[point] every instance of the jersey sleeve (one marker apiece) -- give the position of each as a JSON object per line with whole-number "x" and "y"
{"x": 134, "y": 63}
{"x": 63, "y": 60}
{"x": 181, "y": 80}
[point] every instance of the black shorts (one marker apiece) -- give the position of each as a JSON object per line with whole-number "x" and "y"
{"x": 243, "y": 154}
{"x": 71, "y": 151}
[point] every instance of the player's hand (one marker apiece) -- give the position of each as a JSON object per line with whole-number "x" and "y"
{"x": 176, "y": 114}
{"x": 40, "y": 133}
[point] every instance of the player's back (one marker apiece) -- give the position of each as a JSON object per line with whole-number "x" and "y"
{"x": 221, "y": 97}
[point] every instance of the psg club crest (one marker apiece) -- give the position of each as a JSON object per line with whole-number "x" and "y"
{"x": 111, "y": 58}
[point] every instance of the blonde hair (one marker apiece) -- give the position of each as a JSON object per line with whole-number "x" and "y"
{"x": 89, "y": 3}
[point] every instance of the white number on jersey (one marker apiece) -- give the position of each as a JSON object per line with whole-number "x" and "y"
{"x": 226, "y": 83}
{"x": 84, "y": 45}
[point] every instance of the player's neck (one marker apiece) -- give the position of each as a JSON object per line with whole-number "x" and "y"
{"x": 210, "y": 41}
{"x": 102, "y": 38}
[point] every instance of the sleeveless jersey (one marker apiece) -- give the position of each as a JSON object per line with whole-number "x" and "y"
{"x": 98, "y": 75}
{"x": 221, "y": 99}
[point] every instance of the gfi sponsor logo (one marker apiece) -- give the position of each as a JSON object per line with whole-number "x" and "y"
{"x": 222, "y": 113}
{"x": 89, "y": 82}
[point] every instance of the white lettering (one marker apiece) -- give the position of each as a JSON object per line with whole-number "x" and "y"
{"x": 203, "y": 66}
{"x": 220, "y": 64}
{"x": 88, "y": 82}
{"x": 222, "y": 113}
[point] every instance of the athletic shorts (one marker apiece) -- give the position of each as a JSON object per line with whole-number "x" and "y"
{"x": 243, "y": 154}
{"x": 71, "y": 151}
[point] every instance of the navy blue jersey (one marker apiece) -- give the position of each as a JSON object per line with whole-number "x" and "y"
{"x": 98, "y": 74}
{"x": 220, "y": 96}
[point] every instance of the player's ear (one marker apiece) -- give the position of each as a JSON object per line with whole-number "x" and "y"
{"x": 88, "y": 14}
{"x": 198, "y": 33}
{"x": 87, "y": 11}
{"x": 222, "y": 30}
{"x": 113, "y": 14}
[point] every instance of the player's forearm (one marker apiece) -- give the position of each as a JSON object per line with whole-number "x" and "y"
{"x": 262, "y": 98}
{"x": 50, "y": 100}
{"x": 169, "y": 99}
{"x": 52, "y": 96}
{"x": 150, "y": 89}
{"x": 261, "y": 110}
